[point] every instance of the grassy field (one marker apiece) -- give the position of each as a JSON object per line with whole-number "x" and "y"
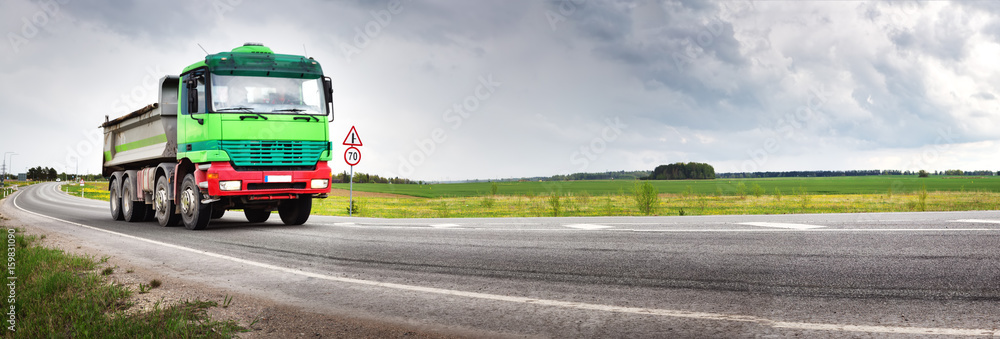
{"x": 61, "y": 295}
{"x": 732, "y": 187}
{"x": 687, "y": 197}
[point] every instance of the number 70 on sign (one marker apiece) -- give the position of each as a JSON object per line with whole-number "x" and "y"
{"x": 352, "y": 156}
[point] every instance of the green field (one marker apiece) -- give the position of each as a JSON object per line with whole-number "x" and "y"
{"x": 685, "y": 197}
{"x": 720, "y": 187}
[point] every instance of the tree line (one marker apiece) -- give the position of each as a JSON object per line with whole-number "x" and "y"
{"x": 42, "y": 174}
{"x": 364, "y": 178}
{"x": 851, "y": 173}
{"x": 681, "y": 171}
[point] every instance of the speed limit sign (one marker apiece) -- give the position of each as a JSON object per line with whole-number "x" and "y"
{"x": 352, "y": 156}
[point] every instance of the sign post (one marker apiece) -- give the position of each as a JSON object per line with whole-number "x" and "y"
{"x": 352, "y": 156}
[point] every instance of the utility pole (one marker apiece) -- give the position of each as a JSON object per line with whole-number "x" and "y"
{"x": 3, "y": 178}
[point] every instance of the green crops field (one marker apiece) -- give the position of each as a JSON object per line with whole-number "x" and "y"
{"x": 891, "y": 184}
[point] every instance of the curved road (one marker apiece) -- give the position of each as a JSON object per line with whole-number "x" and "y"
{"x": 833, "y": 275}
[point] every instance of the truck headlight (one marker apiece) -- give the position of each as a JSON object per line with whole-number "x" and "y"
{"x": 231, "y": 185}
{"x": 320, "y": 183}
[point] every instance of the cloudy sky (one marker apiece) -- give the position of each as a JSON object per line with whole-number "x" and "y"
{"x": 450, "y": 89}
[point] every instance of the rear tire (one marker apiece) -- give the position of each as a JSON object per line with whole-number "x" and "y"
{"x": 134, "y": 211}
{"x": 256, "y": 215}
{"x": 296, "y": 211}
{"x": 164, "y": 206}
{"x": 115, "y": 201}
{"x": 218, "y": 213}
{"x": 194, "y": 214}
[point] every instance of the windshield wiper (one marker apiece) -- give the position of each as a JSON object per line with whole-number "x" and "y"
{"x": 297, "y": 110}
{"x": 238, "y": 108}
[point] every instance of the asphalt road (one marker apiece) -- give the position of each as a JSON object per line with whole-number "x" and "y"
{"x": 830, "y": 275}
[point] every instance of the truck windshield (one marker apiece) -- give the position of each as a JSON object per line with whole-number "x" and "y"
{"x": 241, "y": 94}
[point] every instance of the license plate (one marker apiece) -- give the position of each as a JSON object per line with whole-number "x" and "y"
{"x": 278, "y": 178}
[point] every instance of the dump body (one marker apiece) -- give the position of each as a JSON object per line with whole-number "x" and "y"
{"x": 146, "y": 136}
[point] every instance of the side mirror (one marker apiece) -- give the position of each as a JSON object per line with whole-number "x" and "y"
{"x": 328, "y": 90}
{"x": 192, "y": 90}
{"x": 192, "y": 99}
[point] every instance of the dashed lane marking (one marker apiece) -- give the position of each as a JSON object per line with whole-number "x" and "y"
{"x": 782, "y": 225}
{"x": 445, "y": 225}
{"x": 588, "y": 227}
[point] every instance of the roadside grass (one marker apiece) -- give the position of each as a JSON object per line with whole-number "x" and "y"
{"x": 97, "y": 190}
{"x": 9, "y": 185}
{"x": 571, "y": 205}
{"x": 62, "y": 295}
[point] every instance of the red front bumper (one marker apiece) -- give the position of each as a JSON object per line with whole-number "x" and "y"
{"x": 265, "y": 183}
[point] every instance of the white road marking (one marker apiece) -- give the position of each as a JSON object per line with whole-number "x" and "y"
{"x": 588, "y": 227}
{"x": 979, "y": 221}
{"x": 445, "y": 225}
{"x": 781, "y": 225}
{"x": 563, "y": 304}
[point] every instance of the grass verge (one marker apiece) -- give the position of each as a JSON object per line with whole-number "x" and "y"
{"x": 585, "y": 205}
{"x": 53, "y": 294}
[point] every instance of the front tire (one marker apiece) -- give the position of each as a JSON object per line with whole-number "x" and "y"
{"x": 134, "y": 211}
{"x": 194, "y": 214}
{"x": 115, "y": 201}
{"x": 296, "y": 211}
{"x": 164, "y": 207}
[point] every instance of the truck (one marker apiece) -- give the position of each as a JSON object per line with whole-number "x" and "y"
{"x": 246, "y": 129}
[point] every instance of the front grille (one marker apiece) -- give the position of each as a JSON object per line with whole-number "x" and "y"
{"x": 272, "y": 168}
{"x": 276, "y": 185}
{"x": 274, "y": 153}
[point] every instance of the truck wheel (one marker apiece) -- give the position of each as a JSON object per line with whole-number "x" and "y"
{"x": 164, "y": 207}
{"x": 194, "y": 214}
{"x": 295, "y": 211}
{"x": 133, "y": 211}
{"x": 115, "y": 200}
{"x": 257, "y": 215}
{"x": 218, "y": 213}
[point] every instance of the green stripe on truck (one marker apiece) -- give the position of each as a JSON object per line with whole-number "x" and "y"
{"x": 159, "y": 139}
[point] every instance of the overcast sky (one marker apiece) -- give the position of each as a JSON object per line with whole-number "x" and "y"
{"x": 450, "y": 89}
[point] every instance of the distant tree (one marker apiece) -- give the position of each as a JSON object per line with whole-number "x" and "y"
{"x": 680, "y": 171}
{"x": 923, "y": 174}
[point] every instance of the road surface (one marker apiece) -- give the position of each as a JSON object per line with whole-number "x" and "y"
{"x": 830, "y": 275}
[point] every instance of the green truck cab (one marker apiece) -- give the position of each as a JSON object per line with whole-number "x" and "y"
{"x": 246, "y": 129}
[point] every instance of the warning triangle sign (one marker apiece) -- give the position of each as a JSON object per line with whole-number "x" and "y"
{"x": 352, "y": 138}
